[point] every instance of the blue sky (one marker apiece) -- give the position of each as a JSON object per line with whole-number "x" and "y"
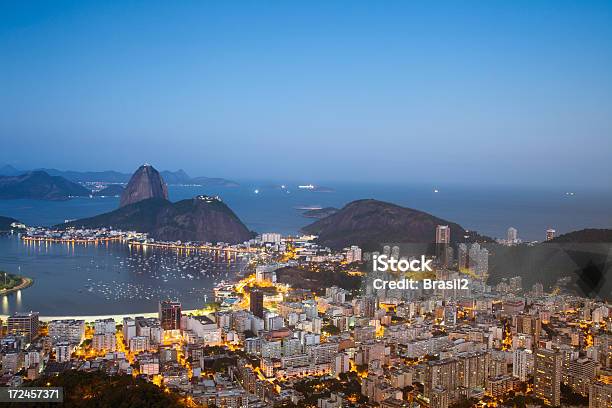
{"x": 446, "y": 92}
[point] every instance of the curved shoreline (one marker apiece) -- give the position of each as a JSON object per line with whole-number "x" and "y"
{"x": 91, "y": 318}
{"x": 25, "y": 283}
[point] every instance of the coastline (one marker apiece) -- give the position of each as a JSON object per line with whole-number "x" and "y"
{"x": 91, "y": 318}
{"x": 25, "y": 283}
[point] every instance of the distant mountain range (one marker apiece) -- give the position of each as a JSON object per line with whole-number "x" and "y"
{"x": 171, "y": 177}
{"x": 199, "y": 219}
{"x": 5, "y": 223}
{"x": 39, "y": 185}
{"x": 370, "y": 223}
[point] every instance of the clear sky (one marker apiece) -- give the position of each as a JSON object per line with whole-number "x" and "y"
{"x": 503, "y": 92}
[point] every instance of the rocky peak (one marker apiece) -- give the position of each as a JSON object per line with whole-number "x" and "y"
{"x": 145, "y": 183}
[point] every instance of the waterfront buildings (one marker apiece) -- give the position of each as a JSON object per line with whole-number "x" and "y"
{"x": 170, "y": 315}
{"x": 23, "y": 324}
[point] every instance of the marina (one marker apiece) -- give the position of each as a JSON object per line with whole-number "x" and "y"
{"x": 111, "y": 277}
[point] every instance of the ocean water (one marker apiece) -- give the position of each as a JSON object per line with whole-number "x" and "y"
{"x": 489, "y": 210}
{"x": 109, "y": 279}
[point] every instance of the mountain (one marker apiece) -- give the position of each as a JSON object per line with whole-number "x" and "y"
{"x": 111, "y": 176}
{"x": 176, "y": 177}
{"x": 369, "y": 223}
{"x": 588, "y": 235}
{"x": 145, "y": 183}
{"x": 213, "y": 181}
{"x": 108, "y": 176}
{"x": 202, "y": 218}
{"x": 112, "y": 190}
{"x": 5, "y": 223}
{"x": 40, "y": 186}
{"x": 320, "y": 212}
{"x": 8, "y": 170}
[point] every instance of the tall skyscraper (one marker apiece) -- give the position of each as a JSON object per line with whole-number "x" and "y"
{"x": 256, "y": 303}
{"x": 512, "y": 236}
{"x": 522, "y": 363}
{"x": 353, "y": 254}
{"x": 528, "y": 324}
{"x": 462, "y": 256}
{"x": 547, "y": 376}
{"x": 441, "y": 373}
{"x": 550, "y": 234}
{"x": 442, "y": 234}
{"x": 24, "y": 324}
{"x": 478, "y": 260}
{"x": 170, "y": 315}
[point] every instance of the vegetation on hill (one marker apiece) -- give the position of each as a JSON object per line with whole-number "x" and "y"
{"x": 97, "y": 389}
{"x": 370, "y": 223}
{"x": 588, "y": 235}
{"x": 197, "y": 219}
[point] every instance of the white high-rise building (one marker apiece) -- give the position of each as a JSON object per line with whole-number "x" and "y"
{"x": 104, "y": 341}
{"x": 522, "y": 363}
{"x": 102, "y": 326}
{"x": 129, "y": 329}
{"x": 353, "y": 254}
{"x": 71, "y": 330}
{"x": 271, "y": 237}
{"x": 139, "y": 344}
{"x": 442, "y": 234}
{"x": 462, "y": 256}
{"x": 63, "y": 350}
{"x": 512, "y": 236}
{"x": 341, "y": 364}
{"x": 478, "y": 261}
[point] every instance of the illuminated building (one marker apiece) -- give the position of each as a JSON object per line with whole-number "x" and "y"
{"x": 439, "y": 397}
{"x": 170, "y": 315}
{"x": 102, "y": 326}
{"x": 353, "y": 254}
{"x": 600, "y": 395}
{"x": 104, "y": 341}
{"x": 512, "y": 236}
{"x": 72, "y": 331}
{"x": 522, "y": 363}
{"x": 341, "y": 364}
{"x": 256, "y": 303}
{"x": 547, "y": 376}
{"x": 550, "y": 234}
{"x": 581, "y": 374}
{"x": 63, "y": 350}
{"x": 139, "y": 344}
{"x": 442, "y": 373}
{"x": 442, "y": 234}
{"x": 128, "y": 328}
{"x": 528, "y": 324}
{"x": 498, "y": 386}
{"x": 472, "y": 369}
{"x": 24, "y": 324}
{"x": 270, "y": 237}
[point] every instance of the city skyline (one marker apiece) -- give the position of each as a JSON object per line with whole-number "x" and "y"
{"x": 342, "y": 92}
